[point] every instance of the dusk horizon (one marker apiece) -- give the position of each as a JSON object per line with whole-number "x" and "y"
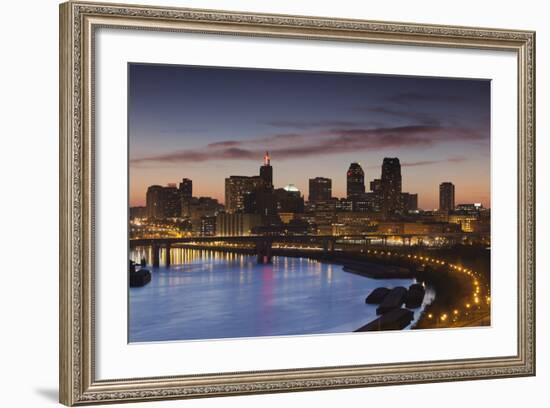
{"x": 266, "y": 203}
{"x": 313, "y": 125}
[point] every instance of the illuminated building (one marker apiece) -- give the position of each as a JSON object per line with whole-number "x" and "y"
{"x": 474, "y": 208}
{"x": 138, "y": 212}
{"x": 467, "y": 222}
{"x": 289, "y": 200}
{"x": 391, "y": 186}
{"x": 344, "y": 205}
{"x": 324, "y": 215}
{"x": 266, "y": 172}
{"x": 367, "y": 202}
{"x": 255, "y": 190}
{"x": 298, "y": 227}
{"x": 292, "y": 190}
{"x": 163, "y": 202}
{"x": 375, "y": 195}
{"x": 353, "y": 223}
{"x": 320, "y": 189}
{"x": 207, "y": 226}
{"x": 409, "y": 201}
{"x": 261, "y": 201}
{"x": 172, "y": 201}
{"x": 186, "y": 188}
{"x": 329, "y": 205}
{"x": 355, "y": 181}
{"x": 446, "y": 196}
{"x": 154, "y": 202}
{"x": 198, "y": 207}
{"x": 286, "y": 217}
{"x": 236, "y": 187}
{"x": 390, "y": 227}
{"x": 237, "y": 224}
{"x": 376, "y": 186}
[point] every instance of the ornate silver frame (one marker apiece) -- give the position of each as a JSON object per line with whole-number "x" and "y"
{"x": 78, "y": 384}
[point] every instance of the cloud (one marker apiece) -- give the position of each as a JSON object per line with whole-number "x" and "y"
{"x": 302, "y": 125}
{"x": 225, "y": 143}
{"x": 321, "y": 143}
{"x": 430, "y": 162}
{"x": 417, "y": 117}
{"x": 421, "y": 97}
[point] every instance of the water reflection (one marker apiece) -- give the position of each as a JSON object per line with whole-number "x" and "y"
{"x": 206, "y": 294}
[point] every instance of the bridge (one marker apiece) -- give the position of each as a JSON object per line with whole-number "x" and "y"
{"x": 264, "y": 243}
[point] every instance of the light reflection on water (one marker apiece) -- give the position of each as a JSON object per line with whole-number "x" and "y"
{"x": 212, "y": 295}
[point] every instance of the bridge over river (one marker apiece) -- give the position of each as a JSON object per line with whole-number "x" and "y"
{"x": 263, "y": 244}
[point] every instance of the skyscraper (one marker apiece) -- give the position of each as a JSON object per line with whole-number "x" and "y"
{"x": 376, "y": 186}
{"x": 186, "y": 188}
{"x": 236, "y": 187}
{"x": 163, "y": 202}
{"x": 289, "y": 199}
{"x": 266, "y": 172}
{"x": 391, "y": 186}
{"x": 355, "y": 181}
{"x": 447, "y": 196}
{"x": 172, "y": 201}
{"x": 409, "y": 201}
{"x": 154, "y": 203}
{"x": 320, "y": 189}
{"x": 375, "y": 196}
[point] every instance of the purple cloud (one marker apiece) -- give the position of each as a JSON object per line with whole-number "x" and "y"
{"x": 417, "y": 117}
{"x": 303, "y": 125}
{"x": 416, "y": 97}
{"x": 430, "y": 162}
{"x": 322, "y": 143}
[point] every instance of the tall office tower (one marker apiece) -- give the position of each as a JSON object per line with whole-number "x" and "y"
{"x": 289, "y": 199}
{"x": 376, "y": 186}
{"x": 261, "y": 201}
{"x": 236, "y": 188}
{"x": 375, "y": 196}
{"x": 154, "y": 202}
{"x": 391, "y": 186}
{"x": 355, "y": 181}
{"x": 266, "y": 172}
{"x": 320, "y": 189}
{"x": 409, "y": 201}
{"x": 186, "y": 188}
{"x": 447, "y": 196}
{"x": 172, "y": 201}
{"x": 163, "y": 202}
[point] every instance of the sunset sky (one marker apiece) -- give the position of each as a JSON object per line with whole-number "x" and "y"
{"x": 209, "y": 123}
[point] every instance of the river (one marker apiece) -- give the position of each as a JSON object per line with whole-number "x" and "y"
{"x": 213, "y": 295}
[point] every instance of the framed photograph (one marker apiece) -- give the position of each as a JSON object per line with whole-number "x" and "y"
{"x": 258, "y": 203}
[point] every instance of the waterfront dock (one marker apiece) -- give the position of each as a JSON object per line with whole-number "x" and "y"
{"x": 377, "y": 271}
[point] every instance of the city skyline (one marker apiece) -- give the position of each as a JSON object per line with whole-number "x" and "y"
{"x": 313, "y": 124}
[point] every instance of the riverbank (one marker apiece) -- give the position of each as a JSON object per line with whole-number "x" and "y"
{"x": 377, "y": 271}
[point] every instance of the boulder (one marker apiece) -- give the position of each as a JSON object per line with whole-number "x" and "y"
{"x": 415, "y": 296}
{"x": 377, "y": 296}
{"x": 393, "y": 300}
